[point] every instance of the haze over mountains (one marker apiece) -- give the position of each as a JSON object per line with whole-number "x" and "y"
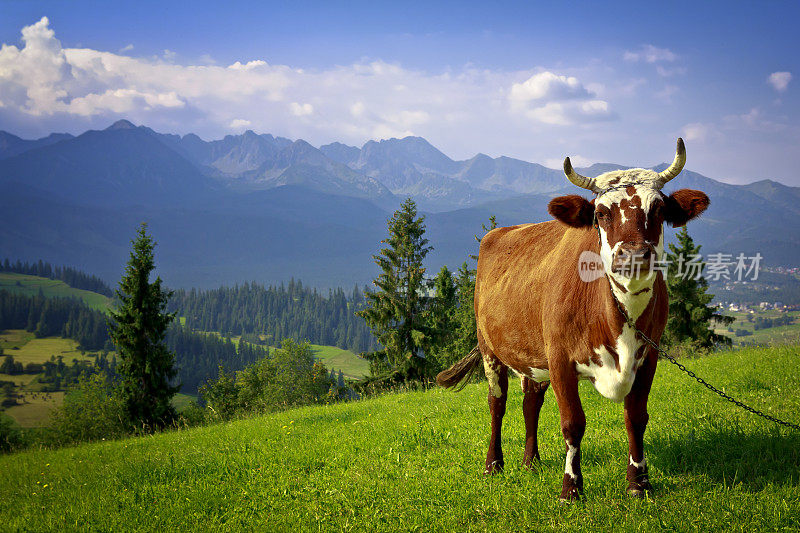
{"x": 268, "y": 208}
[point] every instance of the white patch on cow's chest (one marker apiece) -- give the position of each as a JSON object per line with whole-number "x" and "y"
{"x": 612, "y": 383}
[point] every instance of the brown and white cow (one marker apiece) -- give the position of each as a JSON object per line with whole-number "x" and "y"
{"x": 539, "y": 318}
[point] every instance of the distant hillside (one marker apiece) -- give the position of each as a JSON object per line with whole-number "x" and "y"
{"x": 51, "y": 288}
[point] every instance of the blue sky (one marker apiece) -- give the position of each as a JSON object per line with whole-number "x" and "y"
{"x": 538, "y": 81}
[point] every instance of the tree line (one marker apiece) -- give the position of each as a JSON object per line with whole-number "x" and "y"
{"x": 71, "y": 276}
{"x": 45, "y": 317}
{"x": 277, "y": 313}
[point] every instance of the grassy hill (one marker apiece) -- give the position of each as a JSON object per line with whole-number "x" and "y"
{"x": 31, "y": 285}
{"x": 351, "y": 365}
{"x": 412, "y": 461}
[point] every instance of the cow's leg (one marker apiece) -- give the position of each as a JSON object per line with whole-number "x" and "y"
{"x": 531, "y": 405}
{"x": 636, "y": 418}
{"x": 573, "y": 424}
{"x": 497, "y": 374}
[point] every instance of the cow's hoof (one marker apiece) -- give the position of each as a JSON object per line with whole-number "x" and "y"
{"x": 493, "y": 468}
{"x": 640, "y": 490}
{"x": 570, "y": 495}
{"x": 571, "y": 489}
{"x": 531, "y": 463}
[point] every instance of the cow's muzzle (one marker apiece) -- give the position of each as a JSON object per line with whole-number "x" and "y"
{"x": 634, "y": 259}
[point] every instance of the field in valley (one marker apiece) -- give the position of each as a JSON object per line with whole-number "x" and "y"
{"x": 413, "y": 460}
{"x": 775, "y": 335}
{"x": 24, "y": 347}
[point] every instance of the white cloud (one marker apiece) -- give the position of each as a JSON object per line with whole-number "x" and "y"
{"x": 301, "y": 110}
{"x": 546, "y": 85}
{"x": 250, "y": 65}
{"x": 557, "y": 100}
{"x": 122, "y": 101}
{"x": 780, "y": 80}
{"x": 239, "y": 124}
{"x": 650, "y": 54}
{"x": 126, "y": 48}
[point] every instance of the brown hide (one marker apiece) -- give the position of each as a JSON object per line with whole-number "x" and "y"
{"x": 533, "y": 309}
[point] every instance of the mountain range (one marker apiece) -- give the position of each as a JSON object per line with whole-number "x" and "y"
{"x": 260, "y": 207}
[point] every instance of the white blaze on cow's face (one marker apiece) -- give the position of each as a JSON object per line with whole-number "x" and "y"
{"x": 630, "y": 217}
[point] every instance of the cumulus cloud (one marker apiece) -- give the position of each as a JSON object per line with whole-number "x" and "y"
{"x": 555, "y": 99}
{"x": 350, "y": 103}
{"x": 650, "y": 54}
{"x": 126, "y": 48}
{"x": 780, "y": 80}
{"x": 547, "y": 85}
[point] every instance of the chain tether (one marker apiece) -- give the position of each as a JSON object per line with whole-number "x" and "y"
{"x": 691, "y": 374}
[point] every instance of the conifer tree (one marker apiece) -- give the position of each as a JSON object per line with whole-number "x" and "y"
{"x": 138, "y": 327}
{"x": 442, "y": 311}
{"x": 690, "y": 313}
{"x": 396, "y": 311}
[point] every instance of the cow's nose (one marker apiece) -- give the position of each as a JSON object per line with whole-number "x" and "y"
{"x": 638, "y": 251}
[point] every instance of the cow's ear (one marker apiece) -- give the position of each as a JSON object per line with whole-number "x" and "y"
{"x": 684, "y": 205}
{"x": 573, "y": 210}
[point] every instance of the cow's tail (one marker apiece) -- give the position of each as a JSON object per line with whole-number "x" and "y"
{"x": 461, "y": 372}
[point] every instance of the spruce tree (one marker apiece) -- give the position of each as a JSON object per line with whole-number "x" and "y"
{"x": 690, "y": 313}
{"x": 396, "y": 311}
{"x": 138, "y": 328}
{"x": 441, "y": 315}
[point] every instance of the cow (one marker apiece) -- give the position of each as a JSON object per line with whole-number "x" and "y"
{"x": 537, "y": 314}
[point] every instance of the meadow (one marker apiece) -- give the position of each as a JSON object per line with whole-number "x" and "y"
{"x": 351, "y": 365}
{"x": 51, "y": 288}
{"x": 35, "y": 406}
{"x": 412, "y": 461}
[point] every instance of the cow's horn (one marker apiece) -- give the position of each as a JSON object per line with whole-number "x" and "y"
{"x": 676, "y": 166}
{"x": 581, "y": 181}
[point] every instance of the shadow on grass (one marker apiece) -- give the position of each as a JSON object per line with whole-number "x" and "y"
{"x": 730, "y": 455}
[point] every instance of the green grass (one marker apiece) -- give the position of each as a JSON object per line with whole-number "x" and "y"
{"x": 335, "y": 358}
{"x": 51, "y": 288}
{"x": 413, "y": 461}
{"x": 180, "y": 401}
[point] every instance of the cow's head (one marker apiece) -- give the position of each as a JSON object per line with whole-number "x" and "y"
{"x": 629, "y": 212}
